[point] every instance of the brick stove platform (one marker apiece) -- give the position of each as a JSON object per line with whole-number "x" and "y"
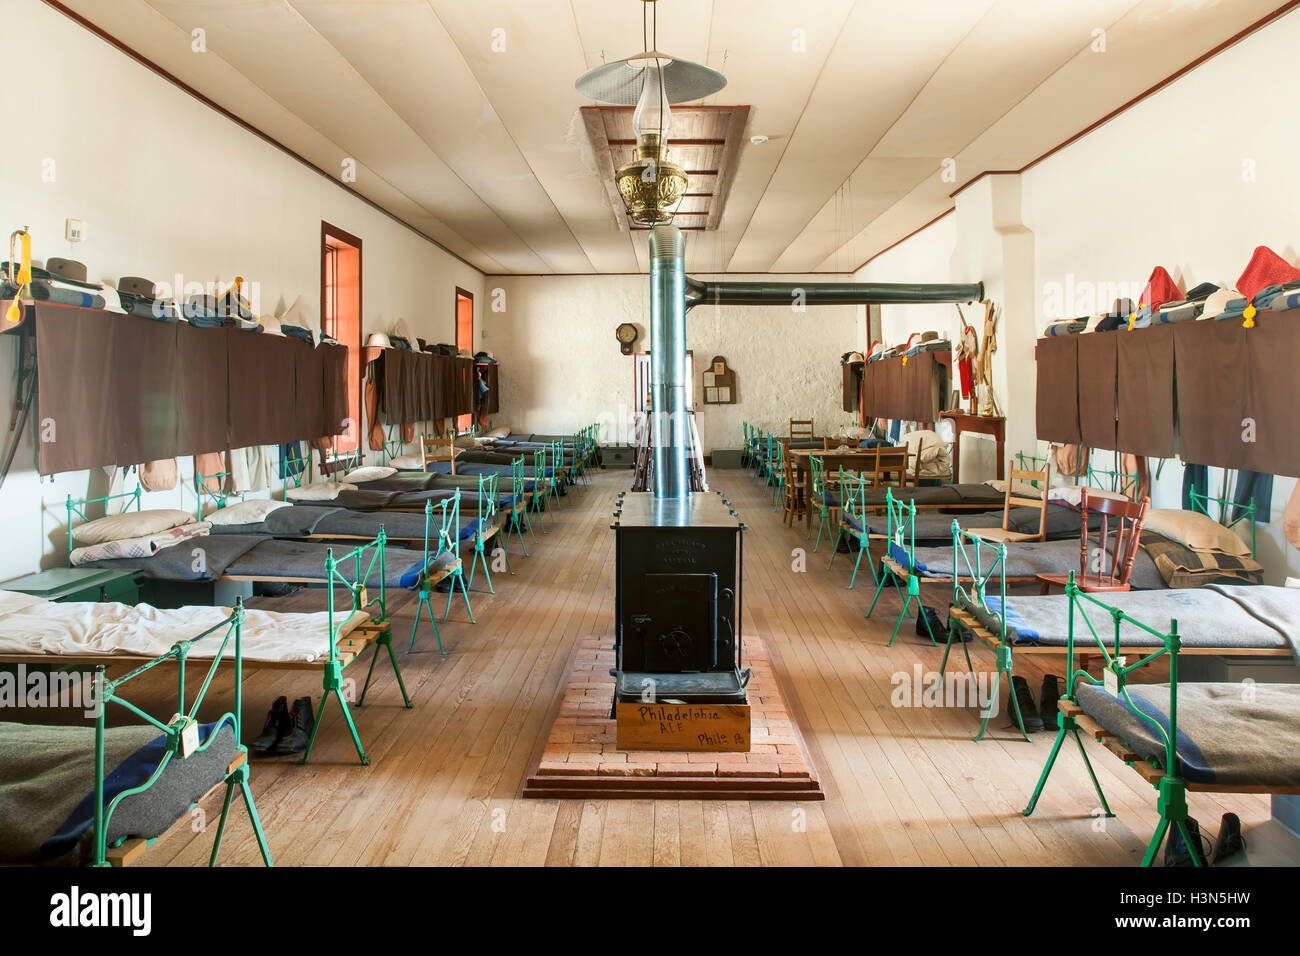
{"x": 581, "y": 758}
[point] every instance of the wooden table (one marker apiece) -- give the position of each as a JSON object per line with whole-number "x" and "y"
{"x": 980, "y": 425}
{"x": 851, "y": 459}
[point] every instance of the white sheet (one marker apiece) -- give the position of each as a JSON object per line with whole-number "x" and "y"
{"x": 31, "y": 625}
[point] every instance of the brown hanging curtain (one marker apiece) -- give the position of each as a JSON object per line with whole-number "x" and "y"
{"x": 1146, "y": 391}
{"x": 1057, "y": 394}
{"x": 1097, "y": 389}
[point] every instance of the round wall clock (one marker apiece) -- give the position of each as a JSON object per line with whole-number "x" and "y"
{"x": 626, "y": 335}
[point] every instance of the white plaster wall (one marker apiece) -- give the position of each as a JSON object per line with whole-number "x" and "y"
{"x": 167, "y": 186}
{"x": 561, "y": 367}
{"x": 1104, "y": 211}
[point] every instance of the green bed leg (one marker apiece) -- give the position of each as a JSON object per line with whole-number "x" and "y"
{"x": 480, "y": 555}
{"x": 839, "y": 536}
{"x": 1047, "y": 769}
{"x": 464, "y": 590}
{"x": 333, "y": 680}
{"x": 518, "y": 527}
{"x": 370, "y": 672}
{"x": 425, "y": 603}
{"x": 1172, "y": 804}
{"x": 240, "y": 779}
{"x": 386, "y": 639}
{"x": 253, "y": 818}
{"x": 1003, "y": 655}
{"x": 221, "y": 823}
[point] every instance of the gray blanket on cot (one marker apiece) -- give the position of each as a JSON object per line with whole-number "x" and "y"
{"x": 396, "y": 524}
{"x": 962, "y": 494}
{"x": 1228, "y": 734}
{"x": 47, "y": 789}
{"x": 1228, "y": 616}
{"x": 196, "y": 559}
{"x": 1060, "y": 522}
{"x": 294, "y": 521}
{"x": 1028, "y": 558}
{"x": 306, "y": 559}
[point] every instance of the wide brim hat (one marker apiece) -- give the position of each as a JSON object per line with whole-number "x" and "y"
{"x": 136, "y": 286}
{"x": 69, "y": 269}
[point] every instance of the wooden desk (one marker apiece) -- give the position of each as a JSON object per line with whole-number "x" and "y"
{"x": 980, "y": 425}
{"x": 851, "y": 459}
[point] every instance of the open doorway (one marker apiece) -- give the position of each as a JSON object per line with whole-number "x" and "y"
{"x": 340, "y": 310}
{"x": 464, "y": 340}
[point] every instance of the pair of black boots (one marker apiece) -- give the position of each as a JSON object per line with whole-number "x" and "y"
{"x": 287, "y": 729}
{"x": 1228, "y": 843}
{"x": 1042, "y": 716}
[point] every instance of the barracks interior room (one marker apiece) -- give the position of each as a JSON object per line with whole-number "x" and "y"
{"x": 657, "y": 433}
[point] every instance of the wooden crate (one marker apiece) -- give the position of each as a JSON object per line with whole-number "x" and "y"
{"x": 695, "y": 728}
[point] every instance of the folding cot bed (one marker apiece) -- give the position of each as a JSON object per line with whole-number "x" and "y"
{"x": 1180, "y": 737}
{"x": 321, "y": 519}
{"x": 1246, "y": 620}
{"x": 143, "y": 778}
{"x": 329, "y": 641}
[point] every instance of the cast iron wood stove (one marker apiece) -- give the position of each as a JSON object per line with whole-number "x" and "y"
{"x": 677, "y": 600}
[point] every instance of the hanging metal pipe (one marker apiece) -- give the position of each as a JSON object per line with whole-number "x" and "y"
{"x": 669, "y": 428}
{"x": 798, "y": 294}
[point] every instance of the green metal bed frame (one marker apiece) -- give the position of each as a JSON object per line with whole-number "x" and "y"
{"x": 853, "y": 507}
{"x": 237, "y": 775}
{"x": 365, "y": 559}
{"x": 1172, "y": 789}
{"x": 900, "y": 530}
{"x": 447, "y": 540}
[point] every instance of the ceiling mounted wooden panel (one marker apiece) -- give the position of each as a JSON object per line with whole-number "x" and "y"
{"x": 464, "y": 122}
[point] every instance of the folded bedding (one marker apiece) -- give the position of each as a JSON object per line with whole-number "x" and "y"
{"x": 1216, "y": 616}
{"x": 30, "y": 625}
{"x": 1025, "y": 559}
{"x": 1223, "y": 739}
{"x": 141, "y": 547}
{"x": 47, "y": 796}
{"x": 203, "y": 560}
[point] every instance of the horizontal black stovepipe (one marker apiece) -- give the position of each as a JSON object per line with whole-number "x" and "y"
{"x": 700, "y": 292}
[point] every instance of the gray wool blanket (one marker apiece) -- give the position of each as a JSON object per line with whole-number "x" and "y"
{"x": 47, "y": 788}
{"x": 1227, "y": 616}
{"x": 1228, "y": 734}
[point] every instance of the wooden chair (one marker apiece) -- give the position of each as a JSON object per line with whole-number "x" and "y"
{"x": 1093, "y": 576}
{"x": 801, "y": 429}
{"x": 1005, "y": 534}
{"x": 795, "y": 498}
{"x": 891, "y": 467}
{"x": 433, "y": 448}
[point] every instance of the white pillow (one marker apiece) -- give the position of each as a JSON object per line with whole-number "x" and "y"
{"x": 408, "y": 463}
{"x": 369, "y": 473}
{"x": 1072, "y": 495}
{"x": 130, "y": 524}
{"x": 245, "y": 512}
{"x": 319, "y": 491}
{"x": 932, "y": 445}
{"x": 1195, "y": 531}
{"x": 1021, "y": 489}
{"x": 501, "y": 432}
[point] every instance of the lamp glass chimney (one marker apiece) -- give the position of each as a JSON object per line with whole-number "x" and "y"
{"x": 652, "y": 115}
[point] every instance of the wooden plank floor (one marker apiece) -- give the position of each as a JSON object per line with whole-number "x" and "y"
{"x": 904, "y": 785}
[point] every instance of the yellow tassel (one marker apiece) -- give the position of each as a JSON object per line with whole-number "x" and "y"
{"x": 1131, "y": 319}
{"x": 13, "y": 313}
{"x": 1249, "y": 316}
{"x": 904, "y": 361}
{"x": 25, "y": 269}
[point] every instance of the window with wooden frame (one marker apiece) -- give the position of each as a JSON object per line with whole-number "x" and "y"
{"x": 340, "y": 310}
{"x": 464, "y": 340}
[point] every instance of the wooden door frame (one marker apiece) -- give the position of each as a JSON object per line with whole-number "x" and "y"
{"x": 331, "y": 231}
